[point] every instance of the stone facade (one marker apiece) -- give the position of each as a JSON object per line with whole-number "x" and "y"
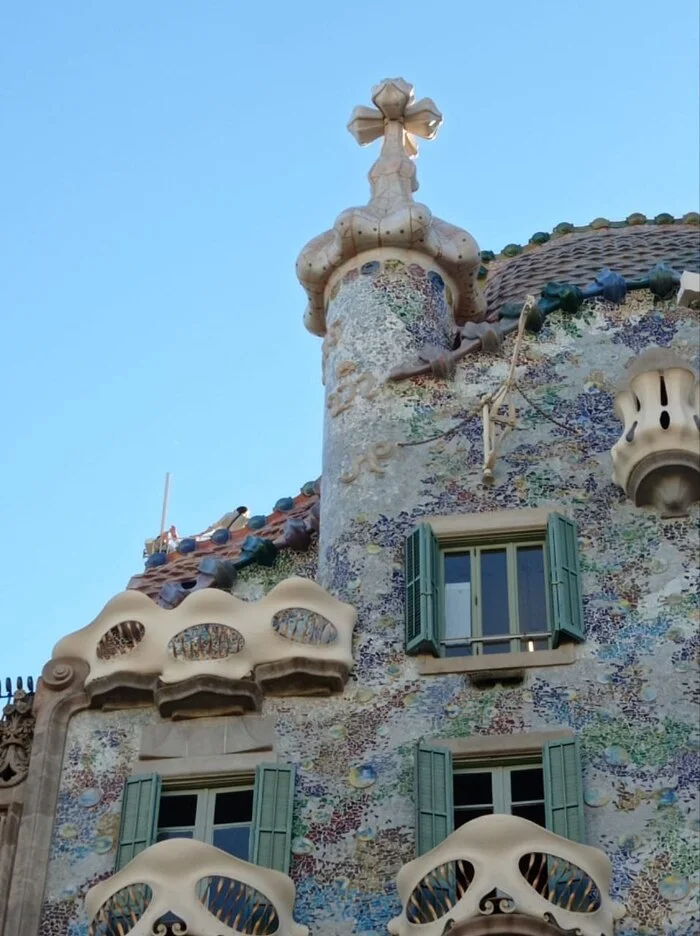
{"x": 395, "y": 452}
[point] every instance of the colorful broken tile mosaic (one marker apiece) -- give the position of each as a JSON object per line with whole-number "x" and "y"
{"x": 631, "y": 696}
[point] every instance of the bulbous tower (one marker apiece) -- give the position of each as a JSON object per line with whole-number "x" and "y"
{"x": 388, "y": 283}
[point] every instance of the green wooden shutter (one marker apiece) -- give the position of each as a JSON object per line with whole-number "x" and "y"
{"x": 563, "y": 788}
{"x": 434, "y": 800}
{"x": 139, "y": 817}
{"x": 273, "y": 803}
{"x": 564, "y": 579}
{"x": 422, "y": 573}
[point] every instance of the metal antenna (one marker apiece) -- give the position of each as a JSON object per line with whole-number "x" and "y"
{"x": 164, "y": 514}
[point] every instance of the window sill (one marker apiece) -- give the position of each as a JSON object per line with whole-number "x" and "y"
{"x": 495, "y": 665}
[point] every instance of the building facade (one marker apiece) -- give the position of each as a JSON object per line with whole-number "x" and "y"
{"x": 453, "y": 686}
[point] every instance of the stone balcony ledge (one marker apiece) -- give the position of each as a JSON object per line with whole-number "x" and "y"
{"x": 214, "y": 652}
{"x": 185, "y": 886}
{"x": 512, "y": 871}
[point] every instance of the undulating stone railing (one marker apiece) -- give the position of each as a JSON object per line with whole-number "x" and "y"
{"x": 508, "y": 867}
{"x": 214, "y": 651}
{"x": 185, "y": 886}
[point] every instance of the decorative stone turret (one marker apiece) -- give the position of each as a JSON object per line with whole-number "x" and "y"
{"x": 657, "y": 458}
{"x": 388, "y": 282}
{"x": 392, "y": 218}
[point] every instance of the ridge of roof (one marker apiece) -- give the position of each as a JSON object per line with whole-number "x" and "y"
{"x": 636, "y": 219}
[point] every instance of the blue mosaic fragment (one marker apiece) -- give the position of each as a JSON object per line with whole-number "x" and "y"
{"x": 436, "y": 281}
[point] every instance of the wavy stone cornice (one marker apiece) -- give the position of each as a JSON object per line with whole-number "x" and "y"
{"x": 392, "y": 218}
{"x": 297, "y": 632}
{"x": 161, "y": 884}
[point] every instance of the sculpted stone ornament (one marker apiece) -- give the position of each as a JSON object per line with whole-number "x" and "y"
{"x": 16, "y": 733}
{"x": 657, "y": 458}
{"x": 392, "y": 218}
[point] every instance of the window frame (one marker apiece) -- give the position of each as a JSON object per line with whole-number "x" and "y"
{"x": 424, "y": 597}
{"x": 501, "y": 791}
{"x": 204, "y": 827}
{"x": 436, "y": 761}
{"x": 477, "y": 640}
{"x": 274, "y": 786}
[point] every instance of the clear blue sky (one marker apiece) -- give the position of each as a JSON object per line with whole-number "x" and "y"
{"x": 162, "y": 165}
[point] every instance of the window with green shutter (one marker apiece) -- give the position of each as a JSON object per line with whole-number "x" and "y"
{"x": 564, "y": 579}
{"x": 493, "y": 596}
{"x": 139, "y": 815}
{"x": 563, "y": 787}
{"x": 422, "y": 576}
{"x": 272, "y": 816}
{"x": 433, "y": 794}
{"x": 251, "y": 821}
{"x": 546, "y": 790}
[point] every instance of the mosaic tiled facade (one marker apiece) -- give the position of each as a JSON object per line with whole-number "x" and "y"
{"x": 631, "y": 696}
{"x": 420, "y": 331}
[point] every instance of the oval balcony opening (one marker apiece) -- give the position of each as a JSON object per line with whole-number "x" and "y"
{"x": 239, "y": 906}
{"x": 562, "y": 883}
{"x": 122, "y": 911}
{"x": 120, "y": 640}
{"x": 438, "y": 892}
{"x": 206, "y": 642}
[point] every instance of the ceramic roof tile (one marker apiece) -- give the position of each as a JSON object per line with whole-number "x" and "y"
{"x": 302, "y": 510}
{"x": 577, "y": 256}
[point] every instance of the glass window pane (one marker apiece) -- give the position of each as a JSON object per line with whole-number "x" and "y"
{"x": 177, "y": 810}
{"x": 458, "y": 611}
{"x": 534, "y": 812}
{"x": 532, "y": 605}
{"x": 164, "y": 834}
{"x": 458, "y": 567}
{"x": 457, "y": 649}
{"x": 494, "y": 593}
{"x": 472, "y": 789}
{"x": 233, "y": 806}
{"x": 235, "y": 841}
{"x": 502, "y": 646}
{"x": 540, "y": 643}
{"x": 526, "y": 784}
{"x": 466, "y": 815}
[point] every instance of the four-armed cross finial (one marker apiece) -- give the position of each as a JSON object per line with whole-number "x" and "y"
{"x": 392, "y": 218}
{"x": 398, "y": 119}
